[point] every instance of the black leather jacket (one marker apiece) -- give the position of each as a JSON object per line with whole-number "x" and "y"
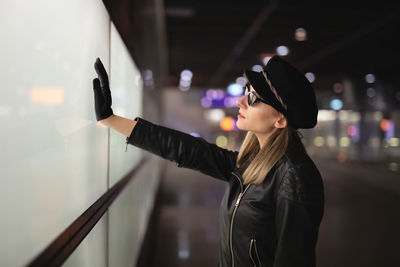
{"x": 274, "y": 223}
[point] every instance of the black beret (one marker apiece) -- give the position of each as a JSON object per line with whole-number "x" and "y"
{"x": 287, "y": 90}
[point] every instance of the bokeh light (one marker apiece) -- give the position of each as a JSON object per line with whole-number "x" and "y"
{"x": 206, "y": 102}
{"x": 235, "y": 89}
{"x": 214, "y": 115}
{"x": 310, "y": 77}
{"x": 194, "y": 134}
{"x": 352, "y": 130}
{"x": 221, "y": 141}
{"x": 336, "y": 104}
{"x": 319, "y": 141}
{"x": 385, "y": 124}
{"x": 227, "y": 124}
{"x": 344, "y": 141}
{"x": 266, "y": 59}
{"x": 370, "y": 78}
{"x": 241, "y": 80}
{"x": 257, "y": 68}
{"x": 371, "y": 92}
{"x": 282, "y": 50}
{"x": 394, "y": 142}
{"x": 393, "y": 166}
{"x": 300, "y": 34}
{"x": 338, "y": 87}
{"x": 331, "y": 141}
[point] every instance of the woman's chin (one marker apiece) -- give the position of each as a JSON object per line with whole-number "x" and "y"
{"x": 238, "y": 125}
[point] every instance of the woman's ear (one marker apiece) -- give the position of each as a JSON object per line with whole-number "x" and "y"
{"x": 281, "y": 122}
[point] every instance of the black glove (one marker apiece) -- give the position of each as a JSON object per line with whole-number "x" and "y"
{"x": 102, "y": 93}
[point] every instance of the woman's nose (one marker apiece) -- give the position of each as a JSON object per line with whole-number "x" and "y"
{"x": 242, "y": 101}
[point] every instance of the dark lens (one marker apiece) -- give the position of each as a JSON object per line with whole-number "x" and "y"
{"x": 247, "y": 92}
{"x": 250, "y": 99}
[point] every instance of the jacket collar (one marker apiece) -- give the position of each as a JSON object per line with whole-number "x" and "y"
{"x": 239, "y": 171}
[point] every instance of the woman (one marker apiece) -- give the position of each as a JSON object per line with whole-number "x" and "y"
{"x": 271, "y": 211}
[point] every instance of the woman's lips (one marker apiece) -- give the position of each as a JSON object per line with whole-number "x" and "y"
{"x": 240, "y": 116}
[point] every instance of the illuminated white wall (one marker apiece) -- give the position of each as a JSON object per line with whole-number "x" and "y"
{"x": 55, "y": 160}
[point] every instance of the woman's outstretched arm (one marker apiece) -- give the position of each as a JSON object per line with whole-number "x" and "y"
{"x": 119, "y": 124}
{"x": 186, "y": 150}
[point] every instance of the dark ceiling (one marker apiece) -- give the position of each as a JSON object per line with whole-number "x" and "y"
{"x": 216, "y": 40}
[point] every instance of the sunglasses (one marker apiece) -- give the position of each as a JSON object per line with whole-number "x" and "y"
{"x": 252, "y": 98}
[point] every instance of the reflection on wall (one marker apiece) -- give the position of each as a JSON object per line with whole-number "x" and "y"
{"x": 56, "y": 160}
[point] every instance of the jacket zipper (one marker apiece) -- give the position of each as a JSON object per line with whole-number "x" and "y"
{"x": 253, "y": 241}
{"x": 233, "y": 215}
{"x": 251, "y": 257}
{"x": 255, "y": 247}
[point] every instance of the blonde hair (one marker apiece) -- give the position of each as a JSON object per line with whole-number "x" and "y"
{"x": 263, "y": 161}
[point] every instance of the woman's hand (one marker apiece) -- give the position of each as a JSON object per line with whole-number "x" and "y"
{"x": 102, "y": 93}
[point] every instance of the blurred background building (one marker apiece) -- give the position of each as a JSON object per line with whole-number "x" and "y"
{"x": 71, "y": 195}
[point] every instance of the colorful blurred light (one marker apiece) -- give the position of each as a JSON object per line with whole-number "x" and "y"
{"x": 319, "y": 141}
{"x": 385, "y": 124}
{"x": 331, "y": 141}
{"x": 266, "y": 59}
{"x": 343, "y": 115}
{"x": 214, "y": 115}
{"x": 220, "y": 94}
{"x": 221, "y": 141}
{"x": 148, "y": 77}
{"x": 389, "y": 133}
{"x": 338, "y": 87}
{"x": 310, "y": 77}
{"x": 184, "y": 83}
{"x": 235, "y": 89}
{"x": 282, "y": 50}
{"x": 371, "y": 92}
{"x": 241, "y": 80}
{"x": 186, "y": 75}
{"x": 227, "y": 124}
{"x": 231, "y": 101}
{"x": 194, "y": 134}
{"x": 342, "y": 156}
{"x": 394, "y": 142}
{"x": 344, "y": 141}
{"x": 206, "y": 102}
{"x": 355, "y": 116}
{"x": 257, "y": 68}
{"x": 326, "y": 115}
{"x": 300, "y": 34}
{"x": 186, "y": 80}
{"x": 231, "y": 141}
{"x": 352, "y": 130}
{"x": 47, "y": 96}
{"x": 370, "y": 78}
{"x": 336, "y": 104}
{"x": 211, "y": 94}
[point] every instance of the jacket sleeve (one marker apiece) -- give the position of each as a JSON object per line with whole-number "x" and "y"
{"x": 184, "y": 149}
{"x": 299, "y": 211}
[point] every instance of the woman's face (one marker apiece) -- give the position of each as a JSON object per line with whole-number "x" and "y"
{"x": 259, "y": 118}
